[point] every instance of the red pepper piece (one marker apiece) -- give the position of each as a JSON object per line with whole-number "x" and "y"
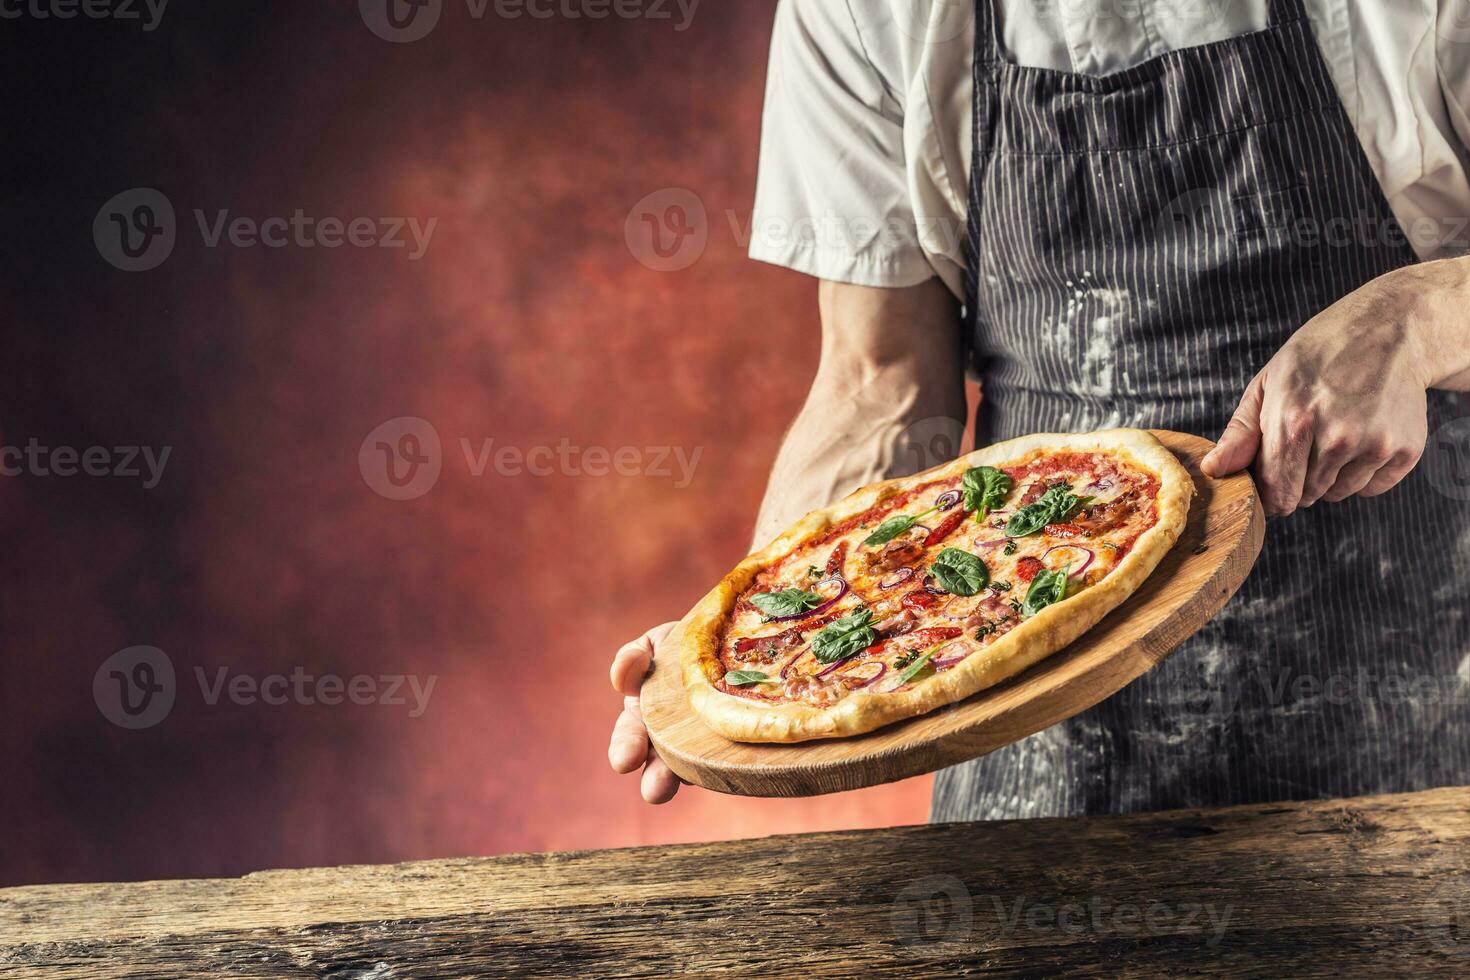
{"x": 946, "y": 527}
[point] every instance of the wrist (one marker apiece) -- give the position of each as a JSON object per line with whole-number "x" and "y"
{"x": 1434, "y": 297}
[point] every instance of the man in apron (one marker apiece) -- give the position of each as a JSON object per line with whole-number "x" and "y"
{"x": 1172, "y": 219}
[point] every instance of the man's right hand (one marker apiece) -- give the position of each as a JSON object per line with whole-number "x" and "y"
{"x": 630, "y": 747}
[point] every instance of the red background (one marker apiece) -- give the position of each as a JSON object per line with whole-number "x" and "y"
{"x": 528, "y": 321}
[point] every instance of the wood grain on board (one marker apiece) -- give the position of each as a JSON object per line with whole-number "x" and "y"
{"x": 1214, "y": 555}
{"x": 1376, "y": 886}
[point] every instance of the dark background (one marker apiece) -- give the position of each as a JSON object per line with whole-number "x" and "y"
{"x": 263, "y": 549}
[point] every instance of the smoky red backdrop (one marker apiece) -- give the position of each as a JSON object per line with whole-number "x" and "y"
{"x": 529, "y": 319}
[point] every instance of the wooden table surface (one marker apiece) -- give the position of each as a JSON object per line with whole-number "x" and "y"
{"x": 1367, "y": 887}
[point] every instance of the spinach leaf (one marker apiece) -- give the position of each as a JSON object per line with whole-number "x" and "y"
{"x": 1047, "y": 587}
{"x": 960, "y": 572}
{"x": 912, "y": 670}
{"x": 744, "y": 678}
{"x": 893, "y": 527}
{"x": 1054, "y": 506}
{"x": 846, "y": 637}
{"x": 889, "y": 530}
{"x": 787, "y": 602}
{"x": 985, "y": 488}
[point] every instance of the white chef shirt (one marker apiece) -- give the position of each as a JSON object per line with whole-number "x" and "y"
{"x": 865, "y": 154}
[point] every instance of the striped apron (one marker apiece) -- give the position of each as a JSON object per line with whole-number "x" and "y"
{"x": 1139, "y": 245}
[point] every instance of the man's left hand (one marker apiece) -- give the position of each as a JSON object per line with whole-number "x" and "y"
{"x": 1341, "y": 408}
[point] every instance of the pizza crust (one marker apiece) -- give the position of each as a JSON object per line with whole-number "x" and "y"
{"x": 694, "y": 642}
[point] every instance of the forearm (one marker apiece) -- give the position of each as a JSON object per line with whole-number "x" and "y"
{"x": 1438, "y": 319}
{"x": 888, "y": 399}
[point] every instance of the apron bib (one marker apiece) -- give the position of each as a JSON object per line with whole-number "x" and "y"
{"x": 1139, "y": 245}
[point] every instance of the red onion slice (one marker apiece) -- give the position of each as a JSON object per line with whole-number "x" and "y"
{"x": 791, "y": 662}
{"x": 897, "y": 578}
{"x": 1091, "y": 556}
{"x": 841, "y": 591}
{"x": 989, "y": 545}
{"x": 831, "y": 667}
{"x": 882, "y": 669}
{"x": 958, "y": 650}
{"x": 1098, "y": 486}
{"x": 947, "y": 500}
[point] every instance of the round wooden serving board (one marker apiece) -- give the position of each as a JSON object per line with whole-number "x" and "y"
{"x": 1214, "y": 555}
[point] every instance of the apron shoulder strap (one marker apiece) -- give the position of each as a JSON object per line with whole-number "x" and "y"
{"x": 1285, "y": 11}
{"x": 987, "y": 32}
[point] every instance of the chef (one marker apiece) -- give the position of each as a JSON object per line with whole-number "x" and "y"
{"x": 1236, "y": 218}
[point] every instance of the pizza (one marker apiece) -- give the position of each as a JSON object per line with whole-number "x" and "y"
{"x": 916, "y": 593}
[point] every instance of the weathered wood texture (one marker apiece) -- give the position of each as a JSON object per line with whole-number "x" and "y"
{"x": 1194, "y": 581}
{"x": 1366, "y": 887}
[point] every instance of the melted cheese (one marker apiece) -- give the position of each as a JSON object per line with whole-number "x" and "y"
{"x": 912, "y": 614}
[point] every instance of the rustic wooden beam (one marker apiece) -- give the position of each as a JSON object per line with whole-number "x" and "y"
{"x": 1377, "y": 886}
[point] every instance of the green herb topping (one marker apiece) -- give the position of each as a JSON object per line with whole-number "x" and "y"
{"x": 787, "y": 602}
{"x": 844, "y": 638}
{"x": 991, "y": 627}
{"x": 960, "y": 572}
{"x": 912, "y": 670}
{"x": 744, "y": 678}
{"x": 1056, "y": 505}
{"x": 985, "y": 488}
{"x": 1047, "y": 587}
